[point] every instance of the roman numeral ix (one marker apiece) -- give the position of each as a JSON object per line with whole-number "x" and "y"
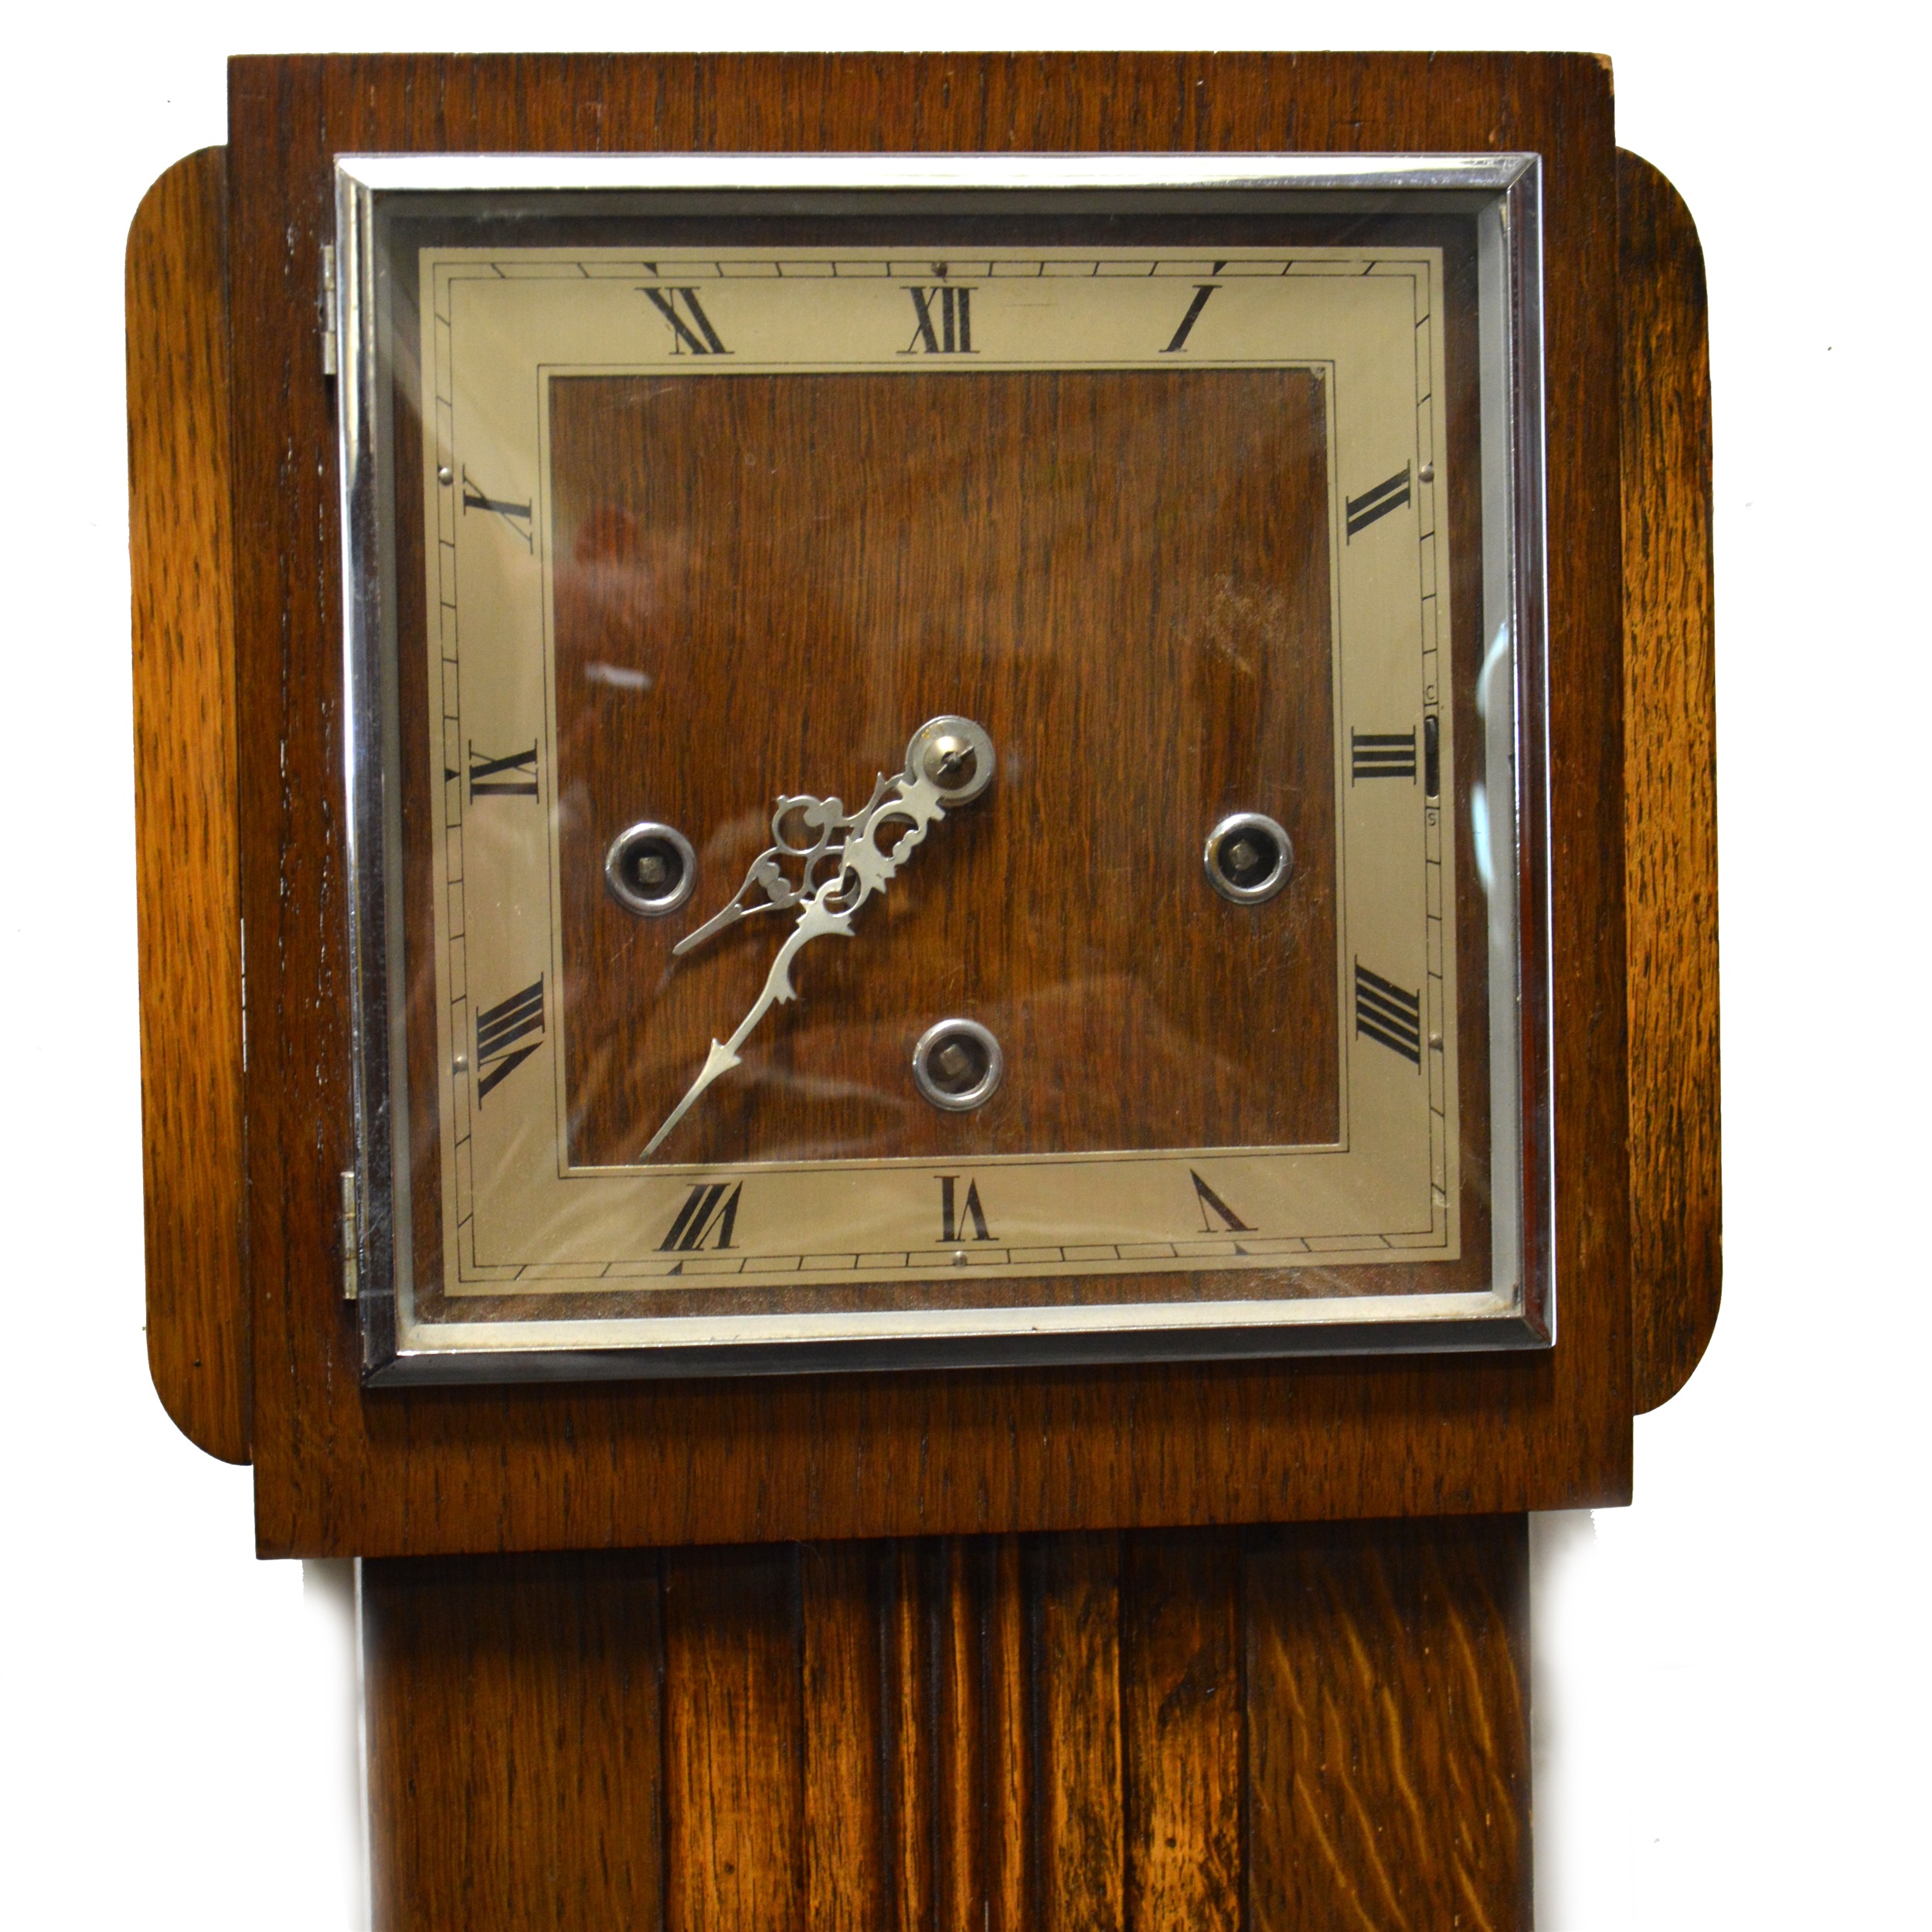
{"x": 707, "y": 1210}
{"x": 691, "y": 333}
{"x": 498, "y": 1030}
{"x": 943, "y": 321}
{"x": 512, "y": 777}
{"x": 950, "y": 1224}
{"x": 1382, "y": 754}
{"x": 1366, "y": 508}
{"x": 1385, "y": 1013}
{"x": 515, "y": 515}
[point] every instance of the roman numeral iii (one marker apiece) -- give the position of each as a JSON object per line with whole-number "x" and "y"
{"x": 512, "y": 777}
{"x": 1391, "y": 494}
{"x": 1387, "y": 1014}
{"x": 499, "y": 1029}
{"x": 951, "y": 1222}
{"x": 1382, "y": 754}
{"x": 942, "y": 321}
{"x": 707, "y": 1210}
{"x": 691, "y": 331}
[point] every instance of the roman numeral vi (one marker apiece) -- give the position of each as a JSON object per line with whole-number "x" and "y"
{"x": 498, "y": 1030}
{"x": 1386, "y": 1014}
{"x": 950, "y": 1224}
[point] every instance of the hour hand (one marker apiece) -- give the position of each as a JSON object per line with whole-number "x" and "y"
{"x": 767, "y": 876}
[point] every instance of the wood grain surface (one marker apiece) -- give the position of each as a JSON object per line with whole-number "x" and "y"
{"x": 1670, "y": 780}
{"x": 1302, "y": 1729}
{"x": 339, "y": 1470}
{"x": 190, "y": 900}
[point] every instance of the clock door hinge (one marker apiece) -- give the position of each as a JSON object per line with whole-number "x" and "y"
{"x": 328, "y": 305}
{"x": 350, "y": 1284}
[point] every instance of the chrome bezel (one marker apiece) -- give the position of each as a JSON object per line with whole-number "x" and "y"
{"x": 981, "y": 1091}
{"x": 1502, "y": 192}
{"x": 1279, "y": 875}
{"x": 648, "y": 905}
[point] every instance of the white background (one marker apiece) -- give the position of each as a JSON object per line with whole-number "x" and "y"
{"x": 1731, "y": 1677}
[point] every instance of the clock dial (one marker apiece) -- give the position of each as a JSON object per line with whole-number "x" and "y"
{"x": 717, "y": 530}
{"x": 936, "y": 774}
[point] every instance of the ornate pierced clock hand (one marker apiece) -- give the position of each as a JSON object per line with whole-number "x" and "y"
{"x": 948, "y": 762}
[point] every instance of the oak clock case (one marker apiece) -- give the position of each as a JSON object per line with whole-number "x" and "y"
{"x": 945, "y": 765}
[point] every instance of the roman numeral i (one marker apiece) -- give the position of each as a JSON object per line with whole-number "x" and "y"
{"x": 1391, "y": 494}
{"x": 691, "y": 332}
{"x": 942, "y": 321}
{"x": 1385, "y": 1013}
{"x": 498, "y": 1030}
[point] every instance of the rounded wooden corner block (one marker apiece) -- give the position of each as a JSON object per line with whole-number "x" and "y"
{"x": 185, "y": 802}
{"x": 1670, "y": 780}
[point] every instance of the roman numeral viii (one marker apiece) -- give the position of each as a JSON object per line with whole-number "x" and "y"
{"x": 499, "y": 1030}
{"x": 950, "y": 1221}
{"x": 1386, "y": 1014}
{"x": 942, "y": 322}
{"x": 691, "y": 332}
{"x": 1372, "y": 505}
{"x": 1382, "y": 754}
{"x": 516, "y": 516}
{"x": 512, "y": 777}
{"x": 707, "y": 1210}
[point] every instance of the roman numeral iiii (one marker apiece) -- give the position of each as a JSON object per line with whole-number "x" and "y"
{"x": 499, "y": 1029}
{"x": 1385, "y": 1013}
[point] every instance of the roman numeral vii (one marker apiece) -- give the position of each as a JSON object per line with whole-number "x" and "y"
{"x": 499, "y": 1029}
{"x": 1385, "y": 1013}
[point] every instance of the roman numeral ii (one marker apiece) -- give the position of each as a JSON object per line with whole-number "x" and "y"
{"x": 499, "y": 1029}
{"x": 1386, "y": 1014}
{"x": 1389, "y": 494}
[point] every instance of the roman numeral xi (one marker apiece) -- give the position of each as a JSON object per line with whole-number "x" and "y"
{"x": 1391, "y": 494}
{"x": 1385, "y": 1013}
{"x": 499, "y": 1031}
{"x": 691, "y": 331}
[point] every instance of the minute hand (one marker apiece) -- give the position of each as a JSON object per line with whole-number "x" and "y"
{"x": 913, "y": 799}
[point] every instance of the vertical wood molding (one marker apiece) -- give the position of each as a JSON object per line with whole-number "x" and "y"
{"x": 1670, "y": 785}
{"x": 187, "y": 881}
{"x": 1308, "y": 1728}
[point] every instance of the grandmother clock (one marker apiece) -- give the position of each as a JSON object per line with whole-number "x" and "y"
{"x": 978, "y": 908}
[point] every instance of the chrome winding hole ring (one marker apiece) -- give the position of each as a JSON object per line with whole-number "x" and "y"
{"x": 957, "y": 1064}
{"x": 650, "y": 868}
{"x": 1249, "y": 858}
